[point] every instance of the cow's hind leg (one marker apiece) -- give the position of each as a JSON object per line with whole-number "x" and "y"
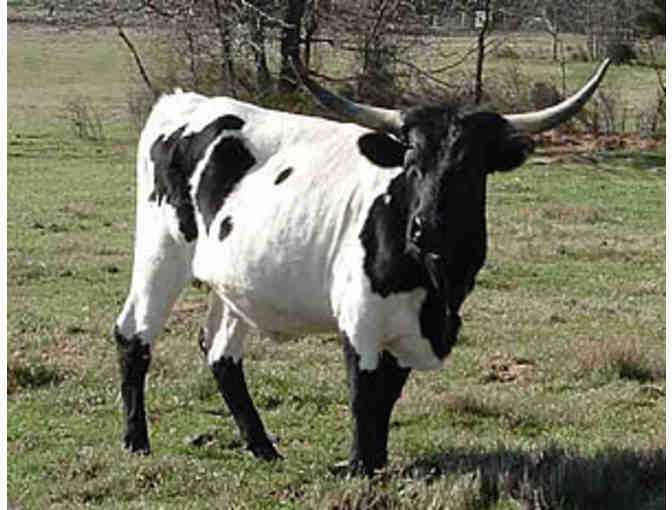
{"x": 160, "y": 272}
{"x": 373, "y": 394}
{"x": 224, "y": 333}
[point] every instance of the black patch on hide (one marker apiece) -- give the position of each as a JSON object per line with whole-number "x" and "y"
{"x": 229, "y": 162}
{"x": 175, "y": 158}
{"x": 391, "y": 269}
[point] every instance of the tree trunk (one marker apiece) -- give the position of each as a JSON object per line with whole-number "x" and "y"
{"x": 311, "y": 25}
{"x": 225, "y": 40}
{"x": 258, "y": 39}
{"x": 289, "y": 45}
{"x": 480, "y": 55}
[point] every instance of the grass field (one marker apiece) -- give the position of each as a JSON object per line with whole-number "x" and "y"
{"x": 553, "y": 398}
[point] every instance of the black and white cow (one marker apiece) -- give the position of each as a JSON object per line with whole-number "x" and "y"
{"x": 304, "y": 225}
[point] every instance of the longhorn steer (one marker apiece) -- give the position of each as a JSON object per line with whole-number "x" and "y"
{"x": 300, "y": 224}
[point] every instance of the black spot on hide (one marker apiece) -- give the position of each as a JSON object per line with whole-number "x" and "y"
{"x": 283, "y": 175}
{"x": 225, "y": 228}
{"x": 228, "y": 164}
{"x": 175, "y": 158}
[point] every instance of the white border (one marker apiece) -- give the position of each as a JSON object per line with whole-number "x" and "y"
{"x": 3, "y": 255}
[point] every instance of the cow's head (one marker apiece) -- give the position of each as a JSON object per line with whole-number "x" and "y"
{"x": 447, "y": 152}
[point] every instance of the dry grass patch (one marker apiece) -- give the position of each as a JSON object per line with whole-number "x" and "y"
{"x": 26, "y": 374}
{"x": 620, "y": 358}
{"x": 575, "y": 214}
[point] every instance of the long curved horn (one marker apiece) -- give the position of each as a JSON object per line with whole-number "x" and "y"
{"x": 548, "y": 118}
{"x": 381, "y": 119}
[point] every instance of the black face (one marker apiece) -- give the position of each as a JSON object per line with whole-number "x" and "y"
{"x": 449, "y": 155}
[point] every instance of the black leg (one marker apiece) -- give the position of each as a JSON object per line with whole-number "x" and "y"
{"x": 373, "y": 394}
{"x": 231, "y": 381}
{"x": 391, "y": 380}
{"x": 134, "y": 358}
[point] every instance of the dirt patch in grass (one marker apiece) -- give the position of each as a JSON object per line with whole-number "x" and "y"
{"x": 506, "y": 368}
{"x": 26, "y": 375}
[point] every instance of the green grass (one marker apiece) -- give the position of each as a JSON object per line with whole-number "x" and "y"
{"x": 553, "y": 397}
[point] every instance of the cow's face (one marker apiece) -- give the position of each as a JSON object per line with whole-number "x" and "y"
{"x": 449, "y": 154}
{"x": 446, "y": 154}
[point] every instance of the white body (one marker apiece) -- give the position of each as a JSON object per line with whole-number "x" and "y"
{"x": 293, "y": 262}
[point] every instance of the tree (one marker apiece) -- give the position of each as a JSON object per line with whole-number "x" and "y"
{"x": 650, "y": 17}
{"x": 290, "y": 43}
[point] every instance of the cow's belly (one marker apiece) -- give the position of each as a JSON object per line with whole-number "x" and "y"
{"x": 276, "y": 280}
{"x": 284, "y": 303}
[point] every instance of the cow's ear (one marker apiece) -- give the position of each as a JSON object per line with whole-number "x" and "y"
{"x": 382, "y": 150}
{"x": 503, "y": 147}
{"x": 509, "y": 152}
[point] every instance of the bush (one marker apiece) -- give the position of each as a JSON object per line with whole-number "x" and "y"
{"x": 606, "y": 114}
{"x": 651, "y": 121}
{"x": 506, "y": 51}
{"x": 543, "y": 95}
{"x": 621, "y": 52}
{"x": 84, "y": 118}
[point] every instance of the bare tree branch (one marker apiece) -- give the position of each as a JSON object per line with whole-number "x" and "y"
{"x": 138, "y": 61}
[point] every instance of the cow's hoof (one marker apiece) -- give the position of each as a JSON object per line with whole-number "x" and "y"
{"x": 340, "y": 468}
{"x": 265, "y": 451}
{"x": 143, "y": 450}
{"x": 355, "y": 468}
{"x": 358, "y": 467}
{"x": 137, "y": 447}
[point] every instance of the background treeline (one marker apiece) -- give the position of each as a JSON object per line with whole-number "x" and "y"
{"x": 387, "y": 52}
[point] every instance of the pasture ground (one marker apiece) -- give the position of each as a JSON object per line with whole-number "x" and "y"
{"x": 553, "y": 398}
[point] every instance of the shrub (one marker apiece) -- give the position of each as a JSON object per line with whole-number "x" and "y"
{"x": 84, "y": 118}
{"x": 651, "y": 121}
{"x": 621, "y": 52}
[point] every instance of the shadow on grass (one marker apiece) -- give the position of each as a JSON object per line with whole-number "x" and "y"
{"x": 638, "y": 160}
{"x": 647, "y": 160}
{"x": 553, "y": 477}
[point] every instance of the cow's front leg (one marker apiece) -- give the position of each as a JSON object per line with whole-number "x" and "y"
{"x": 373, "y": 394}
{"x": 134, "y": 358}
{"x": 227, "y": 333}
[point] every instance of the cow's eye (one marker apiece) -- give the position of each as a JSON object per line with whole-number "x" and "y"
{"x": 414, "y": 172}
